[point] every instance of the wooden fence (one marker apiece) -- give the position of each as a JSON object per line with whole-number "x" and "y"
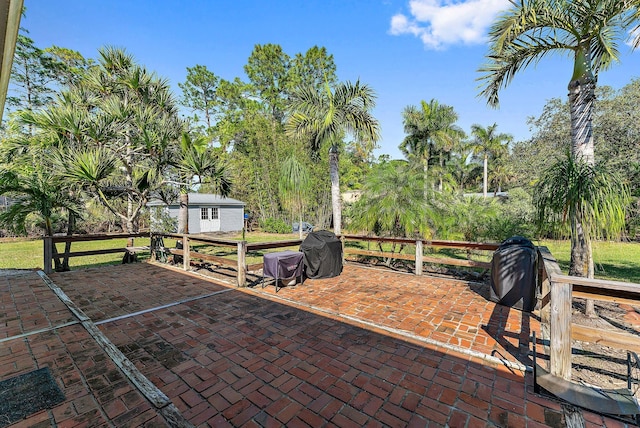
{"x": 419, "y": 258}
{"x": 239, "y": 263}
{"x": 557, "y": 292}
{"x": 239, "y": 259}
{"x": 240, "y": 249}
{"x": 50, "y": 241}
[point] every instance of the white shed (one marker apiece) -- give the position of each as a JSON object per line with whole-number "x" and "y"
{"x": 208, "y": 212}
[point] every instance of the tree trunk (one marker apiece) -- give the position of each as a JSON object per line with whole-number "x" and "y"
{"x": 484, "y": 175}
{"x": 581, "y": 98}
{"x": 580, "y": 246}
{"x": 335, "y": 190}
{"x": 48, "y": 228}
{"x": 183, "y": 214}
{"x": 67, "y": 246}
{"x": 129, "y": 183}
{"x": 425, "y": 171}
{"x": 441, "y": 172}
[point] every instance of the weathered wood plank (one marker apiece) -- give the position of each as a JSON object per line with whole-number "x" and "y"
{"x": 560, "y": 329}
{"x": 242, "y": 263}
{"x": 374, "y": 253}
{"x": 186, "y": 261}
{"x": 620, "y": 340}
{"x": 206, "y": 257}
{"x": 457, "y": 262}
{"x": 435, "y": 243}
{"x": 633, "y": 301}
{"x": 419, "y": 258}
{"x": 547, "y": 265}
{"x": 378, "y": 239}
{"x": 463, "y": 245}
{"x": 101, "y": 237}
{"x": 600, "y": 284}
{"x": 425, "y": 259}
{"x": 201, "y": 238}
{"x": 137, "y": 249}
{"x": 213, "y": 242}
{"x": 93, "y": 252}
{"x": 276, "y": 244}
{"x": 147, "y": 388}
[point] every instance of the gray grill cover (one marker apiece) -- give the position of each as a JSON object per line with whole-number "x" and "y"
{"x": 322, "y": 255}
{"x": 283, "y": 265}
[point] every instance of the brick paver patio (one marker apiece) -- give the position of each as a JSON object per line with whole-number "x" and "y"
{"x": 368, "y": 348}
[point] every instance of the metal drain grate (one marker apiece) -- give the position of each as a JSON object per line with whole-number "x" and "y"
{"x": 27, "y": 394}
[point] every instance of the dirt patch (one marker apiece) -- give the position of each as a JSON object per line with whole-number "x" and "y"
{"x": 598, "y": 365}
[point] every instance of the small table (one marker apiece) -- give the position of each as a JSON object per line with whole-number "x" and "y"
{"x": 282, "y": 265}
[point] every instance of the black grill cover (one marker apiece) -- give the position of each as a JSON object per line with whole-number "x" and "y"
{"x": 322, "y": 255}
{"x": 514, "y": 274}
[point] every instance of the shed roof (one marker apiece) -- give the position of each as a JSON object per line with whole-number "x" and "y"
{"x": 202, "y": 198}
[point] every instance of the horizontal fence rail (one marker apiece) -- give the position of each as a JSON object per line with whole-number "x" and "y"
{"x": 237, "y": 259}
{"x": 239, "y": 263}
{"x": 419, "y": 258}
{"x": 50, "y": 251}
{"x": 557, "y": 292}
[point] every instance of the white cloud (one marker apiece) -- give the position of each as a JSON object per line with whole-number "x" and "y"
{"x": 441, "y": 23}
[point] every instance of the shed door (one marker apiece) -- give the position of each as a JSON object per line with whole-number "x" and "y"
{"x": 210, "y": 219}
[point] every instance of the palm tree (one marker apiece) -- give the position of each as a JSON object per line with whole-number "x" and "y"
{"x": 487, "y": 142}
{"x": 392, "y": 204}
{"x": 429, "y": 128}
{"x": 585, "y": 195}
{"x": 590, "y": 31}
{"x": 460, "y": 167}
{"x": 197, "y": 164}
{"x": 135, "y": 118}
{"x": 502, "y": 173}
{"x": 293, "y": 185}
{"x": 36, "y": 192}
{"x": 324, "y": 116}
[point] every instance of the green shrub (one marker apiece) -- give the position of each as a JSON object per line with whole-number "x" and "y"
{"x": 274, "y": 225}
{"x": 514, "y": 217}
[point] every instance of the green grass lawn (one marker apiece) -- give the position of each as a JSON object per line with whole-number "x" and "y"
{"x": 28, "y": 254}
{"x": 614, "y": 260}
{"x": 618, "y": 261}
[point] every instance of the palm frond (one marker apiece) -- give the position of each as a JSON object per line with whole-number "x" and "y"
{"x": 532, "y": 29}
{"x": 574, "y": 189}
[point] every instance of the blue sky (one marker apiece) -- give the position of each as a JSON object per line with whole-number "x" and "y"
{"x": 407, "y": 51}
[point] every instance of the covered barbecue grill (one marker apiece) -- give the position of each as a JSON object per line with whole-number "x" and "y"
{"x": 322, "y": 255}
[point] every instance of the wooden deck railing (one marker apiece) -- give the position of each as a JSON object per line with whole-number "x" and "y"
{"x": 239, "y": 263}
{"x": 418, "y": 257}
{"x": 238, "y": 258}
{"x": 557, "y": 292}
{"x": 50, "y": 241}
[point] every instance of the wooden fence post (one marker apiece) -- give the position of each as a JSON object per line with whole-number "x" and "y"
{"x": 48, "y": 254}
{"x": 152, "y": 247}
{"x": 419, "y": 257}
{"x": 242, "y": 265}
{"x": 186, "y": 259}
{"x": 545, "y": 309}
{"x": 560, "y": 320}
